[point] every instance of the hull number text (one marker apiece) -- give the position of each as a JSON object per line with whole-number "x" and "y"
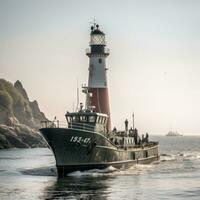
{"x": 80, "y": 139}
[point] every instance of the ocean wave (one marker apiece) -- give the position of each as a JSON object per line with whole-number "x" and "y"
{"x": 191, "y": 155}
{"x": 180, "y": 156}
{"x": 111, "y": 171}
{"x": 11, "y": 158}
{"x": 42, "y": 171}
{"x": 10, "y": 172}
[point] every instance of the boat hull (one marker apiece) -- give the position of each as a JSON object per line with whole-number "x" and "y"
{"x": 66, "y": 169}
{"x": 79, "y": 150}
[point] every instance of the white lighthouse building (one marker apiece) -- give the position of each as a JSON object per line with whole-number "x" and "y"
{"x": 97, "y": 82}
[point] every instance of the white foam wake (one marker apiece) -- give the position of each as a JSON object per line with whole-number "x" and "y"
{"x": 111, "y": 171}
{"x": 93, "y": 172}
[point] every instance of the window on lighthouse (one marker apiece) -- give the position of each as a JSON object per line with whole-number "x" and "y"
{"x": 97, "y": 39}
{"x": 100, "y": 60}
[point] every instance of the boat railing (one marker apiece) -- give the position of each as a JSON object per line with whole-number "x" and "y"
{"x": 148, "y": 144}
{"x": 61, "y": 124}
{"x": 53, "y": 124}
{"x": 127, "y": 142}
{"x": 152, "y": 143}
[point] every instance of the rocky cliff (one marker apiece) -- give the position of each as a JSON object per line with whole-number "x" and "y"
{"x": 19, "y": 117}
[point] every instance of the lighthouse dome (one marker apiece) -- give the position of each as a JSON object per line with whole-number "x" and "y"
{"x": 97, "y": 31}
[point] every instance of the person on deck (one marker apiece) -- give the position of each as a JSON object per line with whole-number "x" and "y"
{"x": 147, "y": 138}
{"x": 136, "y": 136}
{"x": 126, "y": 125}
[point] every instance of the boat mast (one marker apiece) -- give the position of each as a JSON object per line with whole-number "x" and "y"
{"x": 77, "y": 97}
{"x": 133, "y": 118}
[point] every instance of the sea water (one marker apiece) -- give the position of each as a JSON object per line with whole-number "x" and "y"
{"x": 31, "y": 174}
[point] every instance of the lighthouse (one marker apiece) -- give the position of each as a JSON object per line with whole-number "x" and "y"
{"x": 98, "y": 96}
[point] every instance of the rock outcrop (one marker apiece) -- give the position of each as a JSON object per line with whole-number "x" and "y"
{"x": 19, "y": 117}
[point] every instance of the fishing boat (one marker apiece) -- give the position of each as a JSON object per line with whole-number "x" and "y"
{"x": 87, "y": 140}
{"x": 172, "y": 133}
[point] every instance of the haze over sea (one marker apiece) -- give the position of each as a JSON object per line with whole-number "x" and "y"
{"x": 153, "y": 67}
{"x": 31, "y": 174}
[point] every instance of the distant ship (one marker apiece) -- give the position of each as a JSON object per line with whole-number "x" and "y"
{"x": 87, "y": 140}
{"x": 171, "y": 133}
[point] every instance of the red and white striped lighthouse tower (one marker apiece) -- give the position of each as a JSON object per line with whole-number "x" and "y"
{"x": 97, "y": 82}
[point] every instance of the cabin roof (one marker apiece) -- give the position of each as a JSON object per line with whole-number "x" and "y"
{"x": 85, "y": 113}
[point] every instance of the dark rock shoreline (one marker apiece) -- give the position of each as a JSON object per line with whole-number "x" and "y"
{"x": 20, "y": 136}
{"x": 19, "y": 118}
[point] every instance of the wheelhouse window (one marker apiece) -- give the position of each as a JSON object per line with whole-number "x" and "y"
{"x": 102, "y": 120}
{"x": 99, "y": 119}
{"x": 76, "y": 119}
{"x": 73, "y": 119}
{"x": 83, "y": 118}
{"x": 92, "y": 119}
{"x": 69, "y": 119}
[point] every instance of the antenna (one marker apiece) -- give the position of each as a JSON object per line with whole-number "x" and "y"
{"x": 94, "y": 23}
{"x": 133, "y": 117}
{"x": 77, "y": 96}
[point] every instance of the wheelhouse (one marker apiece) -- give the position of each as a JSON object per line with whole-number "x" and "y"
{"x": 89, "y": 121}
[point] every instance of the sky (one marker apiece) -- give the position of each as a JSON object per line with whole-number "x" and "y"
{"x": 154, "y": 62}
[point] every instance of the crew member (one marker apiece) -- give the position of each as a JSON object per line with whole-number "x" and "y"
{"x": 126, "y": 125}
{"x": 114, "y": 130}
{"x": 147, "y": 138}
{"x": 143, "y": 139}
{"x": 136, "y": 136}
